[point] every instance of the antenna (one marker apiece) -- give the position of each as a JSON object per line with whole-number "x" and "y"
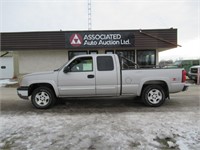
{"x": 89, "y": 15}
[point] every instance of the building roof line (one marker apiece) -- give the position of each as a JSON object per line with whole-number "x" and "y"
{"x": 158, "y": 38}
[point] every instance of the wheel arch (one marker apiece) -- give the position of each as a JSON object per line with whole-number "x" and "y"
{"x": 161, "y": 83}
{"x": 33, "y": 86}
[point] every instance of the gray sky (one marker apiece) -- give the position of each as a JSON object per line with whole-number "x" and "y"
{"x": 53, "y": 15}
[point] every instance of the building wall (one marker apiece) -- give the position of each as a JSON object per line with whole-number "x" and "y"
{"x": 36, "y": 61}
{"x": 16, "y": 64}
{"x": 157, "y": 57}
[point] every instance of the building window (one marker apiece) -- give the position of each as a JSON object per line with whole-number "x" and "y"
{"x": 129, "y": 54}
{"x": 83, "y": 64}
{"x": 109, "y": 51}
{"x": 93, "y": 52}
{"x": 146, "y": 58}
{"x": 76, "y": 53}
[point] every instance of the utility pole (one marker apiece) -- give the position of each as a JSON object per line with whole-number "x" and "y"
{"x": 89, "y": 15}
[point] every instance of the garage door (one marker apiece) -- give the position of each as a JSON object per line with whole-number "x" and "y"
{"x": 6, "y": 68}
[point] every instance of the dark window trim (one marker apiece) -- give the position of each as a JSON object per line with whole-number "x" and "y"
{"x": 125, "y": 50}
{"x": 109, "y": 51}
{"x": 96, "y": 51}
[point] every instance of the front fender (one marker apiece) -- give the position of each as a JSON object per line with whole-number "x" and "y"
{"x": 50, "y": 82}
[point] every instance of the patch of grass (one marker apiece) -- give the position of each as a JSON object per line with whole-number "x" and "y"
{"x": 134, "y": 144}
{"x": 7, "y": 145}
{"x": 164, "y": 143}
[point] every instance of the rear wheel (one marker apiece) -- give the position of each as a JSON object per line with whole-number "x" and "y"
{"x": 153, "y": 95}
{"x": 43, "y": 98}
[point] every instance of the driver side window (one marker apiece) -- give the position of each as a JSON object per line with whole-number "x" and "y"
{"x": 83, "y": 64}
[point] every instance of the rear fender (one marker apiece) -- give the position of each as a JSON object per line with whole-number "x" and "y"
{"x": 165, "y": 84}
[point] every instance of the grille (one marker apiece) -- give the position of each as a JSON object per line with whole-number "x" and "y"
{"x": 193, "y": 70}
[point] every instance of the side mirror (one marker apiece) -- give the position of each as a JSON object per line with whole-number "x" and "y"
{"x": 66, "y": 69}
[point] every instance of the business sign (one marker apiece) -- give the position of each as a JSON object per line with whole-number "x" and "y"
{"x": 99, "y": 39}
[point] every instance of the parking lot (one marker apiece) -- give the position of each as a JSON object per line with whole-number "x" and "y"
{"x": 101, "y": 123}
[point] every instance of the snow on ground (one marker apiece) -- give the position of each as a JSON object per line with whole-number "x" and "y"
{"x": 108, "y": 124}
{"x": 5, "y": 82}
{"x": 100, "y": 130}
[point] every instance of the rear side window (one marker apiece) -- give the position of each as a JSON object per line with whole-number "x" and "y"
{"x": 105, "y": 63}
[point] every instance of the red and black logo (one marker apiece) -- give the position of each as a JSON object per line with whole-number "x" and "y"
{"x": 76, "y": 40}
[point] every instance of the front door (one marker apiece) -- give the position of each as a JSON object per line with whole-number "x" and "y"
{"x": 78, "y": 78}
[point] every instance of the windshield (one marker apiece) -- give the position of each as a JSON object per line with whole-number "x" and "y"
{"x": 61, "y": 67}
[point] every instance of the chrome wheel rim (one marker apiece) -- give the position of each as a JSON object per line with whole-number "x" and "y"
{"x": 42, "y": 98}
{"x": 154, "y": 96}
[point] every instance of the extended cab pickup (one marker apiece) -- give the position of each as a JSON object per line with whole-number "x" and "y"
{"x": 101, "y": 75}
{"x": 193, "y": 72}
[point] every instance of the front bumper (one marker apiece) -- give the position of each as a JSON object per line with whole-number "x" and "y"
{"x": 23, "y": 92}
{"x": 192, "y": 76}
{"x": 185, "y": 88}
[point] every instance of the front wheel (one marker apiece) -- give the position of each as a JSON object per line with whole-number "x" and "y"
{"x": 153, "y": 95}
{"x": 43, "y": 98}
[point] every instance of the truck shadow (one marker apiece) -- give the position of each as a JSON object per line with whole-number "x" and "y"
{"x": 117, "y": 105}
{"x": 101, "y": 102}
{"x": 98, "y": 104}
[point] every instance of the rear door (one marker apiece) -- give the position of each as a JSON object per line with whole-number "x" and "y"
{"x": 107, "y": 76}
{"x": 79, "y": 79}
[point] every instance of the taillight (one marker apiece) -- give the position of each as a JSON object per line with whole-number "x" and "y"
{"x": 183, "y": 75}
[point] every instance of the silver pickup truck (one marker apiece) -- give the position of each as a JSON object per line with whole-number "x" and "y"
{"x": 101, "y": 75}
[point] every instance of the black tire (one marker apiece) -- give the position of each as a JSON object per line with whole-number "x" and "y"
{"x": 43, "y": 98}
{"x": 153, "y": 95}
